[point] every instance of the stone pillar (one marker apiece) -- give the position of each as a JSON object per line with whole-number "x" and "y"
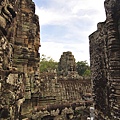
{"x": 105, "y": 66}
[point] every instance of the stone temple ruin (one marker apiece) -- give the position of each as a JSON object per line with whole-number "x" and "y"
{"x": 67, "y": 67}
{"x": 67, "y": 88}
{"x": 19, "y": 57}
{"x": 105, "y": 66}
{"x": 24, "y": 92}
{"x": 67, "y": 64}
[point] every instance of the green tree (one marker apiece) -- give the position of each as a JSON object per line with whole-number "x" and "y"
{"x": 83, "y": 68}
{"x": 47, "y": 63}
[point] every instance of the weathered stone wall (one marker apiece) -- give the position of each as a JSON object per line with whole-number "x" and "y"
{"x": 65, "y": 84}
{"x": 24, "y": 33}
{"x": 65, "y": 88}
{"x": 62, "y": 90}
{"x": 19, "y": 58}
{"x": 7, "y": 91}
{"x": 105, "y": 63}
{"x": 75, "y": 90}
{"x": 21, "y": 90}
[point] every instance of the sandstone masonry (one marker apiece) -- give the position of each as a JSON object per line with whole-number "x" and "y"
{"x": 24, "y": 93}
{"x": 105, "y": 66}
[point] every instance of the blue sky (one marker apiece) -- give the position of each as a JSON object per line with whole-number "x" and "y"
{"x": 65, "y": 26}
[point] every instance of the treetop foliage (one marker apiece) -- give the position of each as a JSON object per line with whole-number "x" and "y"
{"x": 83, "y": 68}
{"x": 47, "y": 63}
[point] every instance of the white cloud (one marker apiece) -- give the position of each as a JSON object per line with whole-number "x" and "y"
{"x": 78, "y": 19}
{"x": 70, "y": 10}
{"x": 55, "y": 50}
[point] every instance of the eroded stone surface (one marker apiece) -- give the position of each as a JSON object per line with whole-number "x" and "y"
{"x": 19, "y": 57}
{"x": 67, "y": 67}
{"x": 24, "y": 94}
{"x": 105, "y": 66}
{"x": 67, "y": 63}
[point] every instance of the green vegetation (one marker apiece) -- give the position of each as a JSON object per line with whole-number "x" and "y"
{"x": 83, "y": 68}
{"x": 47, "y": 63}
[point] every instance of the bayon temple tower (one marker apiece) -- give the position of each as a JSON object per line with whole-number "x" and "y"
{"x": 25, "y": 94}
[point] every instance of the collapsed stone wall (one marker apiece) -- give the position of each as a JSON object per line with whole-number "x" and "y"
{"x": 105, "y": 66}
{"x": 64, "y": 111}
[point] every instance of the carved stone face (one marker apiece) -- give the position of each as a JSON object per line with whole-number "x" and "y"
{"x": 6, "y": 14}
{"x": 109, "y": 5}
